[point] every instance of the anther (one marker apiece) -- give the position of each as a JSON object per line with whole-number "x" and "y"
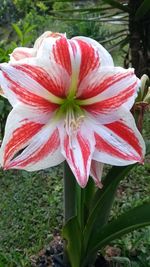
{"x": 72, "y": 123}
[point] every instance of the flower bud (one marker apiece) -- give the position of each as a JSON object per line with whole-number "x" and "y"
{"x": 142, "y": 102}
{"x": 147, "y": 97}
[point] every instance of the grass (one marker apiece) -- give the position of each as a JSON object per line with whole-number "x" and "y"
{"x": 30, "y": 207}
{"x": 31, "y": 210}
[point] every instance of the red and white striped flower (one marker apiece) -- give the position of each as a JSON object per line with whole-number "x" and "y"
{"x": 69, "y": 103}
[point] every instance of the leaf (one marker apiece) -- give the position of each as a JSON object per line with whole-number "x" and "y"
{"x": 70, "y": 209}
{"x": 18, "y": 31}
{"x": 114, "y": 33}
{"x": 147, "y": 142}
{"x": 125, "y": 223}
{"x": 116, "y": 4}
{"x": 30, "y": 28}
{"x": 112, "y": 38}
{"x": 91, "y": 10}
{"x": 125, "y": 41}
{"x": 121, "y": 44}
{"x": 142, "y": 10}
{"x": 103, "y": 202}
{"x": 89, "y": 192}
{"x": 87, "y": 197}
{"x": 73, "y": 236}
{"x": 2, "y": 105}
{"x": 113, "y": 20}
{"x": 84, "y": 198}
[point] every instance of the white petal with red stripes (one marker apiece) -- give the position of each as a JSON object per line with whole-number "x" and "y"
{"x": 69, "y": 103}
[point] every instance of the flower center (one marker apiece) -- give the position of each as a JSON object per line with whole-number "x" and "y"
{"x": 73, "y": 115}
{"x": 73, "y": 123}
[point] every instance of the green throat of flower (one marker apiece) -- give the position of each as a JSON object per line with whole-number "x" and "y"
{"x": 72, "y": 114}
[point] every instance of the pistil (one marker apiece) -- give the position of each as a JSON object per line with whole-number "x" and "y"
{"x": 73, "y": 117}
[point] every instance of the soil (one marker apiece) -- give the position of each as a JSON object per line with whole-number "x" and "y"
{"x": 52, "y": 256}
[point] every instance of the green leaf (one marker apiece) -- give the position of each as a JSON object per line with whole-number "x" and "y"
{"x": 142, "y": 10}
{"x": 18, "y": 31}
{"x": 84, "y": 198}
{"x": 114, "y": 33}
{"x": 30, "y": 28}
{"x": 125, "y": 223}
{"x": 116, "y": 4}
{"x": 89, "y": 192}
{"x": 120, "y": 20}
{"x": 80, "y": 10}
{"x": 73, "y": 236}
{"x": 73, "y": 197}
{"x": 121, "y": 44}
{"x": 2, "y": 105}
{"x": 87, "y": 197}
{"x": 112, "y": 38}
{"x": 147, "y": 142}
{"x": 69, "y": 193}
{"x": 103, "y": 202}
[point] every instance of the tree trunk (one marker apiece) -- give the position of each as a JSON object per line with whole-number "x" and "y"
{"x": 139, "y": 39}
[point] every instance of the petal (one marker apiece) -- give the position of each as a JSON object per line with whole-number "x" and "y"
{"x": 42, "y": 152}
{"x": 22, "y": 111}
{"x": 76, "y": 57}
{"x": 51, "y": 80}
{"x": 78, "y": 150}
{"x": 116, "y": 104}
{"x": 19, "y": 140}
{"x": 93, "y": 57}
{"x": 104, "y": 118}
{"x": 22, "y": 121}
{"x": 29, "y": 145}
{"x": 20, "y": 53}
{"x": 58, "y": 51}
{"x": 61, "y": 54}
{"x": 96, "y": 172}
{"x": 47, "y": 34}
{"x": 119, "y": 143}
{"x": 91, "y": 85}
{"x": 117, "y": 88}
{"x": 58, "y": 54}
{"x": 18, "y": 131}
{"x": 28, "y": 84}
{"x": 88, "y": 58}
{"x": 104, "y": 56}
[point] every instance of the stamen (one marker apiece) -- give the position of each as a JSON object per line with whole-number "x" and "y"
{"x": 72, "y": 124}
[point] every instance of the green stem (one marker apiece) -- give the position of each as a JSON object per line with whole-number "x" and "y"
{"x": 73, "y": 197}
{"x": 69, "y": 193}
{"x": 80, "y": 206}
{"x": 69, "y": 201}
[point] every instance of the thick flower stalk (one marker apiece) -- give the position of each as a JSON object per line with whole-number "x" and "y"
{"x": 69, "y": 103}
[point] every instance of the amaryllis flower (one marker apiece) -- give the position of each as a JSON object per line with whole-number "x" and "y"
{"x": 69, "y": 103}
